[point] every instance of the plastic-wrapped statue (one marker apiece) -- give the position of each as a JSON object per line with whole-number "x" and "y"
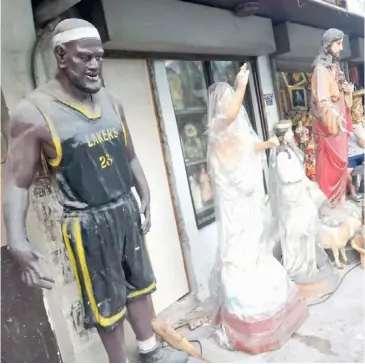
{"x": 257, "y": 306}
{"x": 295, "y": 201}
{"x": 331, "y": 100}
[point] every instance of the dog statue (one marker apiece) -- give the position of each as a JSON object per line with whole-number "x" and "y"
{"x": 358, "y": 241}
{"x": 336, "y": 238}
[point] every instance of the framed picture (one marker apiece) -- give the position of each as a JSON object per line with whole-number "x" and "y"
{"x": 201, "y": 193}
{"x": 298, "y": 98}
{"x": 293, "y": 79}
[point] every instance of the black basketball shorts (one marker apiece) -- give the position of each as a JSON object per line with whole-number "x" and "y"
{"x": 109, "y": 258}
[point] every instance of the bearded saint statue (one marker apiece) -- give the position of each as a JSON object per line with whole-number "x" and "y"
{"x": 331, "y": 103}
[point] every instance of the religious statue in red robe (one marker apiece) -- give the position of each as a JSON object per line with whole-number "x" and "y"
{"x": 331, "y": 103}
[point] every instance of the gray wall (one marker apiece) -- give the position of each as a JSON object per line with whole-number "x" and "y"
{"x": 298, "y": 45}
{"x": 175, "y": 26}
{"x": 357, "y": 48}
{"x": 17, "y": 39}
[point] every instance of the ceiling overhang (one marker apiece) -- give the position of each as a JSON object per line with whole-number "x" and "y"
{"x": 313, "y": 13}
{"x": 176, "y": 27}
{"x": 300, "y": 44}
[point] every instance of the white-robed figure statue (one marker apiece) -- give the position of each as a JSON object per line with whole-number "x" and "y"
{"x": 295, "y": 203}
{"x": 257, "y": 306}
{"x": 304, "y": 221}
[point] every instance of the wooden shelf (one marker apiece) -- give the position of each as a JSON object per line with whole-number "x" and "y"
{"x": 190, "y": 111}
{"x": 205, "y": 208}
{"x": 194, "y": 163}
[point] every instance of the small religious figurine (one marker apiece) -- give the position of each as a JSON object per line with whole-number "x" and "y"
{"x": 251, "y": 292}
{"x": 302, "y": 134}
{"x": 331, "y": 100}
{"x": 295, "y": 201}
{"x": 310, "y": 162}
{"x": 309, "y": 120}
{"x": 192, "y": 144}
{"x": 176, "y": 89}
{"x": 196, "y": 194}
{"x": 205, "y": 186}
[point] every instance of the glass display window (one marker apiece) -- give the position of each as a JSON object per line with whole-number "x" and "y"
{"x": 189, "y": 82}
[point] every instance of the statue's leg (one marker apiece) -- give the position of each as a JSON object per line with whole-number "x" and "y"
{"x": 139, "y": 316}
{"x": 336, "y": 255}
{"x": 343, "y": 255}
{"x": 350, "y": 185}
{"x": 114, "y": 344}
{"x": 140, "y": 284}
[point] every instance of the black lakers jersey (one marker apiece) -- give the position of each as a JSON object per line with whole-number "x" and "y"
{"x": 91, "y": 165}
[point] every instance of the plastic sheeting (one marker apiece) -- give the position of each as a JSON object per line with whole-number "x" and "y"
{"x": 256, "y": 307}
{"x": 295, "y": 201}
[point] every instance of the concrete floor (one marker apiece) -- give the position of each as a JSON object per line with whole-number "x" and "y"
{"x": 334, "y": 332}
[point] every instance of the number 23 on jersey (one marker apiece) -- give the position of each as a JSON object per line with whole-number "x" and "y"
{"x": 105, "y": 161}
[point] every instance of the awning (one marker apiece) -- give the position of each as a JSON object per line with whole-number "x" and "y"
{"x": 165, "y": 26}
{"x": 313, "y": 13}
{"x": 298, "y": 45}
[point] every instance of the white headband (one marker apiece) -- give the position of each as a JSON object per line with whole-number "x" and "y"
{"x": 75, "y": 34}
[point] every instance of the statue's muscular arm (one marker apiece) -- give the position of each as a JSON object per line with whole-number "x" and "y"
{"x": 28, "y": 133}
{"x": 321, "y": 90}
{"x": 139, "y": 177}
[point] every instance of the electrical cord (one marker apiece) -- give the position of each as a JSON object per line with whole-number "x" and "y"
{"x": 165, "y": 345}
{"x": 328, "y": 296}
{"x": 200, "y": 345}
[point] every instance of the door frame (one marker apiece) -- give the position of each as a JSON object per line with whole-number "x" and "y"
{"x": 107, "y": 55}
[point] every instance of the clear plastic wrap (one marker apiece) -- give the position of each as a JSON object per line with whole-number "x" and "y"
{"x": 296, "y": 204}
{"x": 256, "y": 307}
{"x": 295, "y": 201}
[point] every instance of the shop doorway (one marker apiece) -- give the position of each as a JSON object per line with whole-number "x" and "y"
{"x": 129, "y": 80}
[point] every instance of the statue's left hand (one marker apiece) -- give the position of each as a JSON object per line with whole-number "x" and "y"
{"x": 146, "y": 211}
{"x": 273, "y": 142}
